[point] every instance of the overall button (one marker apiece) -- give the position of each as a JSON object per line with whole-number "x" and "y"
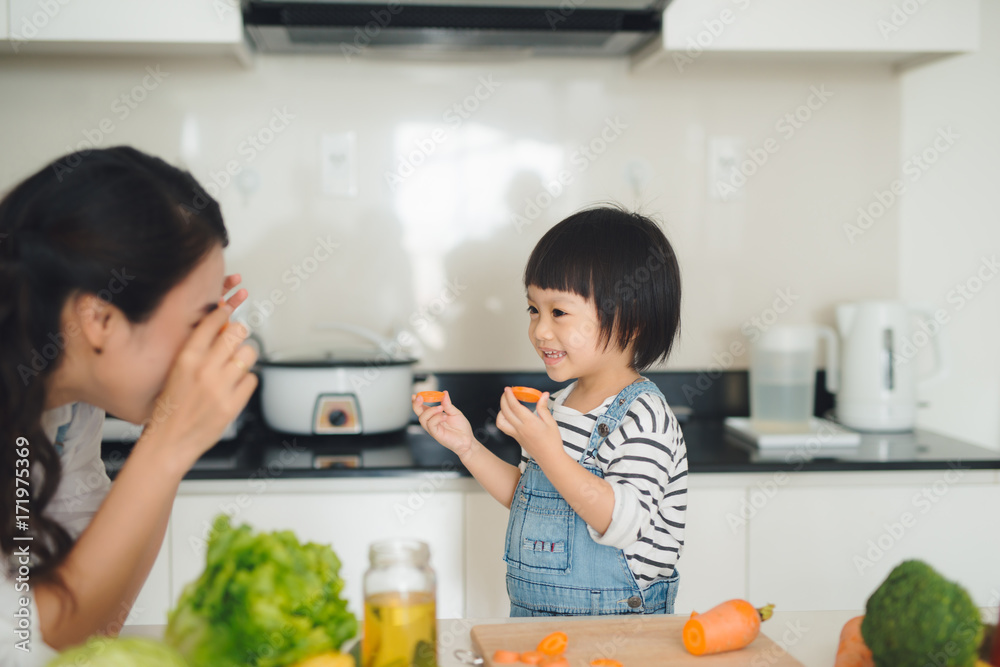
{"x": 602, "y": 430}
{"x": 635, "y": 601}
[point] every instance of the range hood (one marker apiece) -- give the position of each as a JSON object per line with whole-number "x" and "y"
{"x": 446, "y": 28}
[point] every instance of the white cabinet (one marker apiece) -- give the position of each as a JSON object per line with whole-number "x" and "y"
{"x": 486, "y": 571}
{"x": 713, "y": 561}
{"x": 829, "y": 547}
{"x": 804, "y": 541}
{"x": 181, "y": 27}
{"x": 887, "y": 30}
{"x": 4, "y": 20}
{"x": 349, "y": 522}
{"x": 153, "y": 603}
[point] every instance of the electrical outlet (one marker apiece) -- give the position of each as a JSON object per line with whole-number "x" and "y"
{"x": 339, "y": 164}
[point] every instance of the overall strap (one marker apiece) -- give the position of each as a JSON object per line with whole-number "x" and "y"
{"x": 616, "y": 411}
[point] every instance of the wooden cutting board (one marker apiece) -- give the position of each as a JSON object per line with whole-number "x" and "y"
{"x": 635, "y": 641}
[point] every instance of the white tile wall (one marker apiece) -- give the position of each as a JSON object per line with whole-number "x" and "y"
{"x": 439, "y": 253}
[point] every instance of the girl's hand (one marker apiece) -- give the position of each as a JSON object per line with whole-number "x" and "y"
{"x": 536, "y": 431}
{"x": 206, "y": 389}
{"x": 446, "y": 424}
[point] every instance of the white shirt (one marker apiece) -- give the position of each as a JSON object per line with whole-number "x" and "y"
{"x": 76, "y": 430}
{"x": 645, "y": 461}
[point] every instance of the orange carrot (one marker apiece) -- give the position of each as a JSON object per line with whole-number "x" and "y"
{"x": 554, "y": 661}
{"x": 506, "y": 657}
{"x": 532, "y": 657}
{"x": 725, "y": 627}
{"x": 431, "y": 396}
{"x": 852, "y": 651}
{"x": 605, "y": 662}
{"x": 554, "y": 644}
{"x": 526, "y": 394}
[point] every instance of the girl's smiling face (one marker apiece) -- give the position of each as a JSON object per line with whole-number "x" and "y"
{"x": 566, "y": 332}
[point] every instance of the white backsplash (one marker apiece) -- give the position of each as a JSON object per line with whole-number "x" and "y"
{"x": 438, "y": 248}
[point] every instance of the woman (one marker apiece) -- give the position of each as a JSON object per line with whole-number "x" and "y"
{"x": 111, "y": 270}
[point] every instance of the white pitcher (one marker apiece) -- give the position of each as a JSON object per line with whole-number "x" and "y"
{"x": 783, "y": 375}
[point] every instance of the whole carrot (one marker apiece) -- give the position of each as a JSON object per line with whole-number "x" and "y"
{"x": 852, "y": 651}
{"x": 725, "y": 627}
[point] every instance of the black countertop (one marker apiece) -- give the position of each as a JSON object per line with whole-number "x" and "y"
{"x": 259, "y": 451}
{"x": 710, "y": 450}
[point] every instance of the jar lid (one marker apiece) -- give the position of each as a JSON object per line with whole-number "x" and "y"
{"x": 399, "y": 550}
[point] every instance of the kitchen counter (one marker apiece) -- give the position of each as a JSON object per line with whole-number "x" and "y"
{"x": 700, "y": 407}
{"x": 406, "y": 452}
{"x": 811, "y": 637}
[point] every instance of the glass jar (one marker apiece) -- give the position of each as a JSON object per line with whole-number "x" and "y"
{"x": 400, "y": 626}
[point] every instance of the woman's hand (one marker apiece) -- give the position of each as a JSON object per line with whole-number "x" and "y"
{"x": 536, "y": 431}
{"x": 239, "y": 296}
{"x": 446, "y": 424}
{"x": 206, "y": 389}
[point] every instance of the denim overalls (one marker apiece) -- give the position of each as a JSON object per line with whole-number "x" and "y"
{"x": 553, "y": 565}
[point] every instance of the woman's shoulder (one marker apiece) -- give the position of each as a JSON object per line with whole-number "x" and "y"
{"x": 70, "y": 417}
{"x": 75, "y": 429}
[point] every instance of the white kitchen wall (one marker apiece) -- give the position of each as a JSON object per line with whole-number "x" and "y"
{"x": 950, "y": 227}
{"x": 440, "y": 252}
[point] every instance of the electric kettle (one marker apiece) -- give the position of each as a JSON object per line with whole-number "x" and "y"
{"x": 878, "y": 378}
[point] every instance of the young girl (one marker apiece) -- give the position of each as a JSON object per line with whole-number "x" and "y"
{"x": 111, "y": 273}
{"x": 597, "y": 504}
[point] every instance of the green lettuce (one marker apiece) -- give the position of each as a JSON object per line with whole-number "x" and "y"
{"x": 264, "y": 600}
{"x": 124, "y": 652}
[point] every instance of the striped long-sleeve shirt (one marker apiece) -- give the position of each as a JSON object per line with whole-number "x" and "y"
{"x": 645, "y": 461}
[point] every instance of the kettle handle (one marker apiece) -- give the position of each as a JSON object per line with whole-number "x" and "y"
{"x": 832, "y": 358}
{"x": 942, "y": 363}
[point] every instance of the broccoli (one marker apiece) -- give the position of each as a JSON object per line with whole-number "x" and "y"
{"x": 918, "y": 618}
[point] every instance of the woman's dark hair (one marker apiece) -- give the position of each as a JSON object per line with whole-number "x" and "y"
{"x": 116, "y": 223}
{"x": 624, "y": 263}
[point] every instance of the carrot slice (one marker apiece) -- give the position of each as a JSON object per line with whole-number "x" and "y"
{"x": 554, "y": 644}
{"x": 725, "y": 627}
{"x": 526, "y": 394}
{"x": 554, "y": 661}
{"x": 506, "y": 657}
{"x": 605, "y": 662}
{"x": 532, "y": 657}
{"x": 431, "y": 396}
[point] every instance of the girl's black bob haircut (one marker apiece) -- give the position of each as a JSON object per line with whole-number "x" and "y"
{"x": 624, "y": 263}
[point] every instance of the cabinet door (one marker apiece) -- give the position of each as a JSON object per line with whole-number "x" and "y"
{"x": 486, "y": 572}
{"x": 153, "y": 603}
{"x": 876, "y": 26}
{"x": 349, "y": 522}
{"x": 126, "y": 21}
{"x": 830, "y": 547}
{"x": 713, "y": 561}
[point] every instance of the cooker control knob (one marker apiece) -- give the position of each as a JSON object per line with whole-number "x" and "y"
{"x": 337, "y": 417}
